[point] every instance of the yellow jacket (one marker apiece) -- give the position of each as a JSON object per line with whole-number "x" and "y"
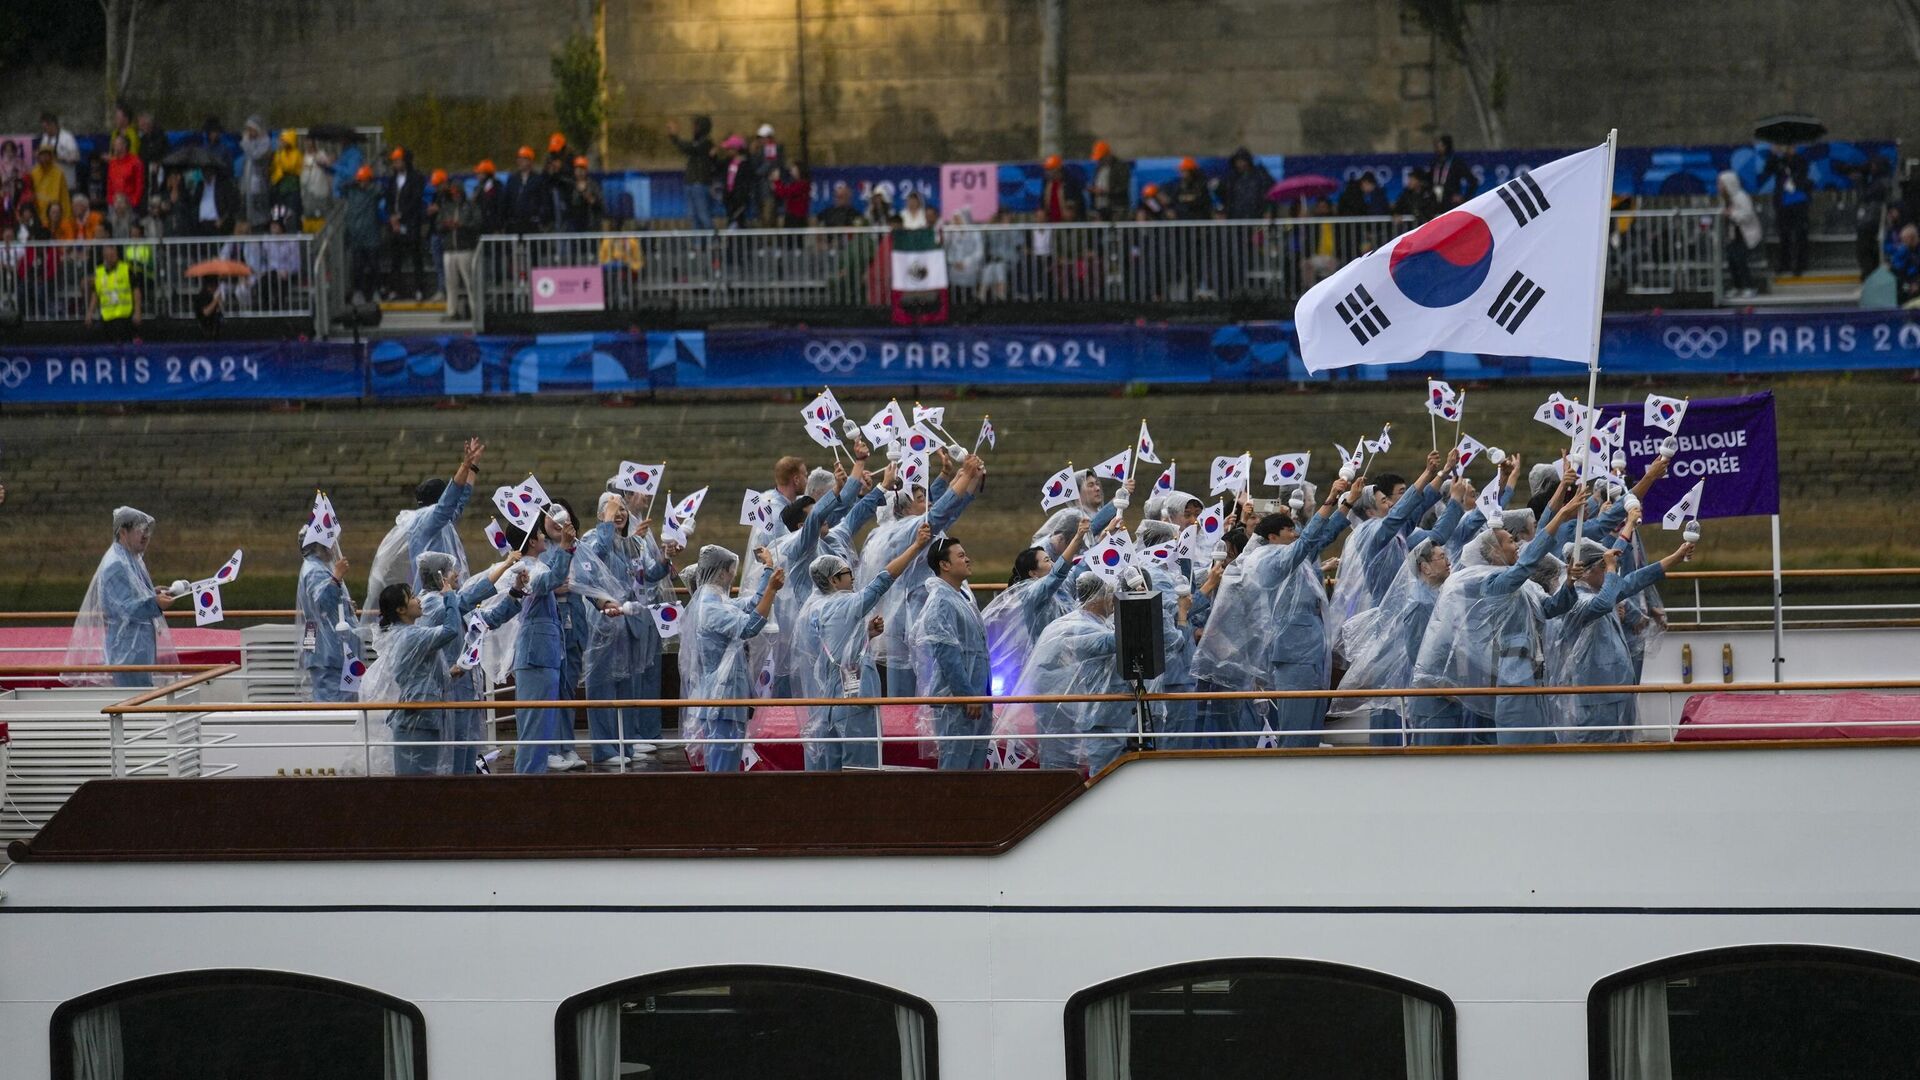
{"x": 50, "y": 187}
{"x": 287, "y": 160}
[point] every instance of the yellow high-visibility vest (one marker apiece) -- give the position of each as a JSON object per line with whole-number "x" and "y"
{"x": 115, "y": 288}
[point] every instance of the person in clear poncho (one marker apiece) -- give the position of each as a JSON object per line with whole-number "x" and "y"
{"x": 838, "y": 540}
{"x": 1093, "y": 499}
{"x": 802, "y": 525}
{"x": 1487, "y": 630}
{"x": 1267, "y": 630}
{"x": 1591, "y": 640}
{"x": 1384, "y": 512}
{"x": 539, "y": 648}
{"x": 713, "y": 655}
{"x": 900, "y": 607}
{"x": 1385, "y": 641}
{"x": 122, "y": 618}
{"x": 430, "y": 526}
{"x": 1177, "y": 640}
{"x": 1076, "y": 654}
{"x": 325, "y": 620}
{"x": 1034, "y": 597}
{"x": 616, "y": 565}
{"x": 465, "y": 730}
{"x": 830, "y": 658}
{"x": 412, "y": 658}
{"x": 949, "y": 651}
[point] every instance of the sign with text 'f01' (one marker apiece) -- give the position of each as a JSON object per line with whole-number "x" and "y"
{"x": 1513, "y": 272}
{"x": 567, "y": 288}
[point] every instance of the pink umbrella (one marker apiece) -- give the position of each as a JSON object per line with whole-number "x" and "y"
{"x": 1309, "y": 186}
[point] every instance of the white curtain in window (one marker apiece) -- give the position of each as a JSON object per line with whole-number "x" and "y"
{"x": 96, "y": 1045}
{"x": 398, "y": 1046}
{"x": 1637, "y": 1032}
{"x": 1109, "y": 1031}
{"x": 912, "y": 1029}
{"x": 597, "y": 1039}
{"x": 1420, "y": 1025}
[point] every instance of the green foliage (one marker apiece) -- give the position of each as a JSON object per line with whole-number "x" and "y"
{"x": 576, "y": 90}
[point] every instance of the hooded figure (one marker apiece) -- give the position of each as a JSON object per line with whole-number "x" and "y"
{"x": 464, "y": 730}
{"x": 1177, "y": 644}
{"x": 900, "y": 608}
{"x": 713, "y": 655}
{"x": 324, "y": 619}
{"x": 413, "y": 667}
{"x": 949, "y": 651}
{"x": 1387, "y": 640}
{"x": 1032, "y": 600}
{"x": 1244, "y": 187}
{"x": 618, "y": 565}
{"x": 1592, "y": 646}
{"x": 121, "y": 619}
{"x": 1074, "y": 655}
{"x": 430, "y": 526}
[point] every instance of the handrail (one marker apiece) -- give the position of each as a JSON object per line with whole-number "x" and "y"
{"x": 997, "y": 586}
{"x": 206, "y": 676}
{"x": 138, "y": 706}
{"x": 75, "y": 669}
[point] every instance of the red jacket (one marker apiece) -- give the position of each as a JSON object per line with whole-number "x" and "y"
{"x": 796, "y": 197}
{"x": 127, "y": 174}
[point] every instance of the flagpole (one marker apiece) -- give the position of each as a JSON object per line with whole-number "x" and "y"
{"x": 1593, "y": 355}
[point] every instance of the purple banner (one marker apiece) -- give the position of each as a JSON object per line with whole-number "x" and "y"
{"x": 1728, "y": 442}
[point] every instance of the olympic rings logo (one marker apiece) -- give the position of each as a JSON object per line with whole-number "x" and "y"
{"x": 835, "y": 357}
{"x": 1693, "y": 342}
{"x": 15, "y": 372}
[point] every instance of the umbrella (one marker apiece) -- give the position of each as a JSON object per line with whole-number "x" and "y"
{"x": 219, "y": 268}
{"x": 197, "y": 156}
{"x": 1307, "y": 186}
{"x": 1789, "y": 128}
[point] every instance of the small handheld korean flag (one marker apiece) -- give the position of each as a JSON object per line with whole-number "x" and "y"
{"x": 1562, "y": 415}
{"x": 918, "y": 440}
{"x": 1164, "y": 485}
{"x": 1513, "y": 272}
{"x": 674, "y": 530}
{"x": 1286, "y": 469}
{"x": 231, "y": 571}
{"x": 1353, "y": 461}
{"x": 1109, "y": 557}
{"x": 1489, "y": 501}
{"x": 985, "y": 436}
{"x": 207, "y": 608}
{"x": 935, "y": 417}
{"x": 888, "y": 426}
{"x": 322, "y": 527}
{"x": 1143, "y": 448}
{"x": 915, "y": 473}
{"x": 1229, "y": 474}
{"x": 1664, "y": 413}
{"x": 520, "y": 511}
{"x": 640, "y": 479}
{"x": 497, "y": 536}
{"x": 823, "y": 409}
{"x": 1209, "y": 527}
{"x": 1470, "y": 451}
{"x": 1115, "y": 467}
{"x": 666, "y": 619}
{"x": 749, "y": 508}
{"x": 351, "y": 672}
{"x": 1687, "y": 509}
{"x": 1059, "y": 490}
{"x": 1439, "y": 397}
{"x": 689, "y": 507}
{"x": 530, "y": 490}
{"x": 1161, "y": 554}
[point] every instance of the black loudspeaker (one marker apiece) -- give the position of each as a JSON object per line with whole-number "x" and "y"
{"x": 1140, "y": 623}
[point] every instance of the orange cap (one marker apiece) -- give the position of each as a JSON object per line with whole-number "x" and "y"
{"x": 438, "y": 178}
{"x": 1188, "y": 163}
{"x": 485, "y": 168}
{"x": 1052, "y": 162}
{"x": 526, "y": 152}
{"x": 1101, "y": 150}
{"x": 398, "y": 153}
{"x": 1150, "y": 190}
{"x": 363, "y": 174}
{"x": 556, "y": 142}
{"x": 580, "y": 162}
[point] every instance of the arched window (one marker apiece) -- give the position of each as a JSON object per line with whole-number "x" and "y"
{"x": 1234, "y": 1019}
{"x": 746, "y": 1023}
{"x": 238, "y": 1025}
{"x": 1762, "y": 1012}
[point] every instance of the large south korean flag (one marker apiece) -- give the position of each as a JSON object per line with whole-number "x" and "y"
{"x": 1513, "y": 272}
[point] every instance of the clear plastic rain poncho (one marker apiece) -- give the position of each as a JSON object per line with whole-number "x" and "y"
{"x": 829, "y": 642}
{"x": 713, "y": 645}
{"x": 1486, "y": 628}
{"x": 610, "y": 642}
{"x": 412, "y": 666}
{"x": 411, "y": 537}
{"x": 1016, "y": 618}
{"x": 902, "y": 603}
{"x": 120, "y": 621}
{"x": 1384, "y": 642}
{"x": 1062, "y": 521}
{"x": 949, "y": 649}
{"x": 1368, "y": 563}
{"x": 1260, "y": 598}
{"x": 331, "y": 636}
{"x": 1074, "y": 655}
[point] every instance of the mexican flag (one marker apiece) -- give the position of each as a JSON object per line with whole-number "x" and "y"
{"x": 919, "y": 263}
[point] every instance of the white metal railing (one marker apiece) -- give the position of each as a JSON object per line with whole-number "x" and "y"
{"x": 52, "y": 281}
{"x": 1651, "y": 252}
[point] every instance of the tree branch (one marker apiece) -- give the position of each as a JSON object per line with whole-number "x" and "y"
{"x": 126, "y": 65}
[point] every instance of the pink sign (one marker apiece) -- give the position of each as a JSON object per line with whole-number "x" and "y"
{"x": 568, "y": 288}
{"x": 974, "y": 188}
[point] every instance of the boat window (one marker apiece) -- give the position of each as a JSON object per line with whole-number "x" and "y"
{"x": 1758, "y": 1013}
{"x": 1242, "y": 1019}
{"x": 230, "y": 1025}
{"x": 745, "y": 1023}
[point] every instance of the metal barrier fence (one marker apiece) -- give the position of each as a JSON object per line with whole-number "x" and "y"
{"x": 53, "y": 281}
{"x": 1651, "y": 252}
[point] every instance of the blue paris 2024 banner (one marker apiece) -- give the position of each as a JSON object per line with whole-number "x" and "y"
{"x": 211, "y": 371}
{"x": 1729, "y": 443}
